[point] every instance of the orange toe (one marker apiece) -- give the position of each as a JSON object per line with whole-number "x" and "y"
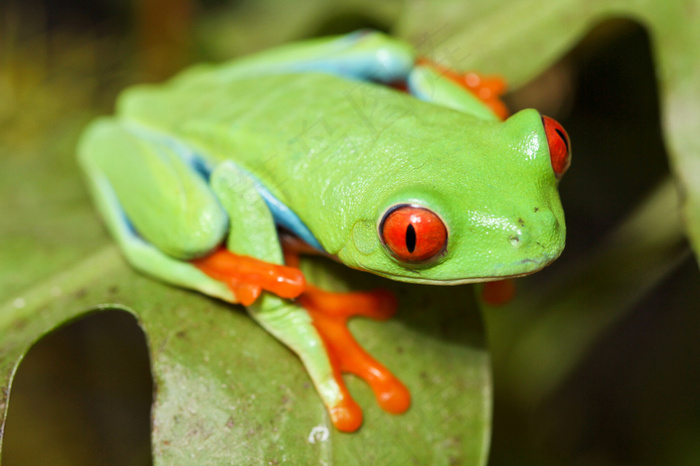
{"x": 330, "y": 312}
{"x": 393, "y": 396}
{"x": 346, "y": 416}
{"x": 245, "y": 293}
{"x": 499, "y": 292}
{"x": 247, "y": 276}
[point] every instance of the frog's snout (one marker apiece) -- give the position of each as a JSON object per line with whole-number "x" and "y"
{"x": 541, "y": 231}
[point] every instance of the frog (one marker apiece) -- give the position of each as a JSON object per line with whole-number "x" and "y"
{"x": 350, "y": 147}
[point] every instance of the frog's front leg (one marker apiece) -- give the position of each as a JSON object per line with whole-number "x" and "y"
{"x": 252, "y": 232}
{"x": 318, "y": 333}
{"x": 466, "y": 92}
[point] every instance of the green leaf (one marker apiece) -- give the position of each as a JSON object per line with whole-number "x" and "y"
{"x": 227, "y": 391}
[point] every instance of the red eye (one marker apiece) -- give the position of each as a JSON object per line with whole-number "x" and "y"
{"x": 559, "y": 145}
{"x": 412, "y": 233}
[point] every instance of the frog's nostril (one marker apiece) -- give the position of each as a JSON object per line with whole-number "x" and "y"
{"x": 520, "y": 236}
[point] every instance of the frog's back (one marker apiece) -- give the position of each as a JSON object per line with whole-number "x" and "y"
{"x": 298, "y": 115}
{"x": 272, "y": 101}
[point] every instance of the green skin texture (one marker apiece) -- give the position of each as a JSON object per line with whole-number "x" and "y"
{"x": 339, "y": 153}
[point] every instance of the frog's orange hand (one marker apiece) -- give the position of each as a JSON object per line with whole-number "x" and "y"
{"x": 488, "y": 89}
{"x": 330, "y": 313}
{"x": 247, "y": 276}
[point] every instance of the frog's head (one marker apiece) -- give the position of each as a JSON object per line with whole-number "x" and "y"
{"x": 481, "y": 207}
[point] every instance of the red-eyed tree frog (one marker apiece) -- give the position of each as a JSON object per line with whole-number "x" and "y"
{"x": 349, "y": 147}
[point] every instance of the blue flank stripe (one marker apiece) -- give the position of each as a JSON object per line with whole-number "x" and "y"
{"x": 284, "y": 216}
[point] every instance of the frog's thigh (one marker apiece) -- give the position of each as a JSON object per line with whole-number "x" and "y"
{"x": 139, "y": 185}
{"x": 165, "y": 199}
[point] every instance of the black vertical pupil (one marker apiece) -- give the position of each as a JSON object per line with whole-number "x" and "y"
{"x": 410, "y": 238}
{"x": 564, "y": 138}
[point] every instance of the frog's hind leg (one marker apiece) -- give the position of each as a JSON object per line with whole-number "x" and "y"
{"x": 372, "y": 56}
{"x": 150, "y": 199}
{"x": 156, "y": 199}
{"x": 363, "y": 55}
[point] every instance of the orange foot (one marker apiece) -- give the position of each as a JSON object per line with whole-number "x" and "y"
{"x": 488, "y": 89}
{"x": 499, "y": 292}
{"x": 330, "y": 313}
{"x": 247, "y": 276}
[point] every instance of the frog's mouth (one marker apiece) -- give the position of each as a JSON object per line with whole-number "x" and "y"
{"x": 534, "y": 266}
{"x": 448, "y": 282}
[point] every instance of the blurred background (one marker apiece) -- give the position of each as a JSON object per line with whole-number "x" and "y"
{"x": 595, "y": 364}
